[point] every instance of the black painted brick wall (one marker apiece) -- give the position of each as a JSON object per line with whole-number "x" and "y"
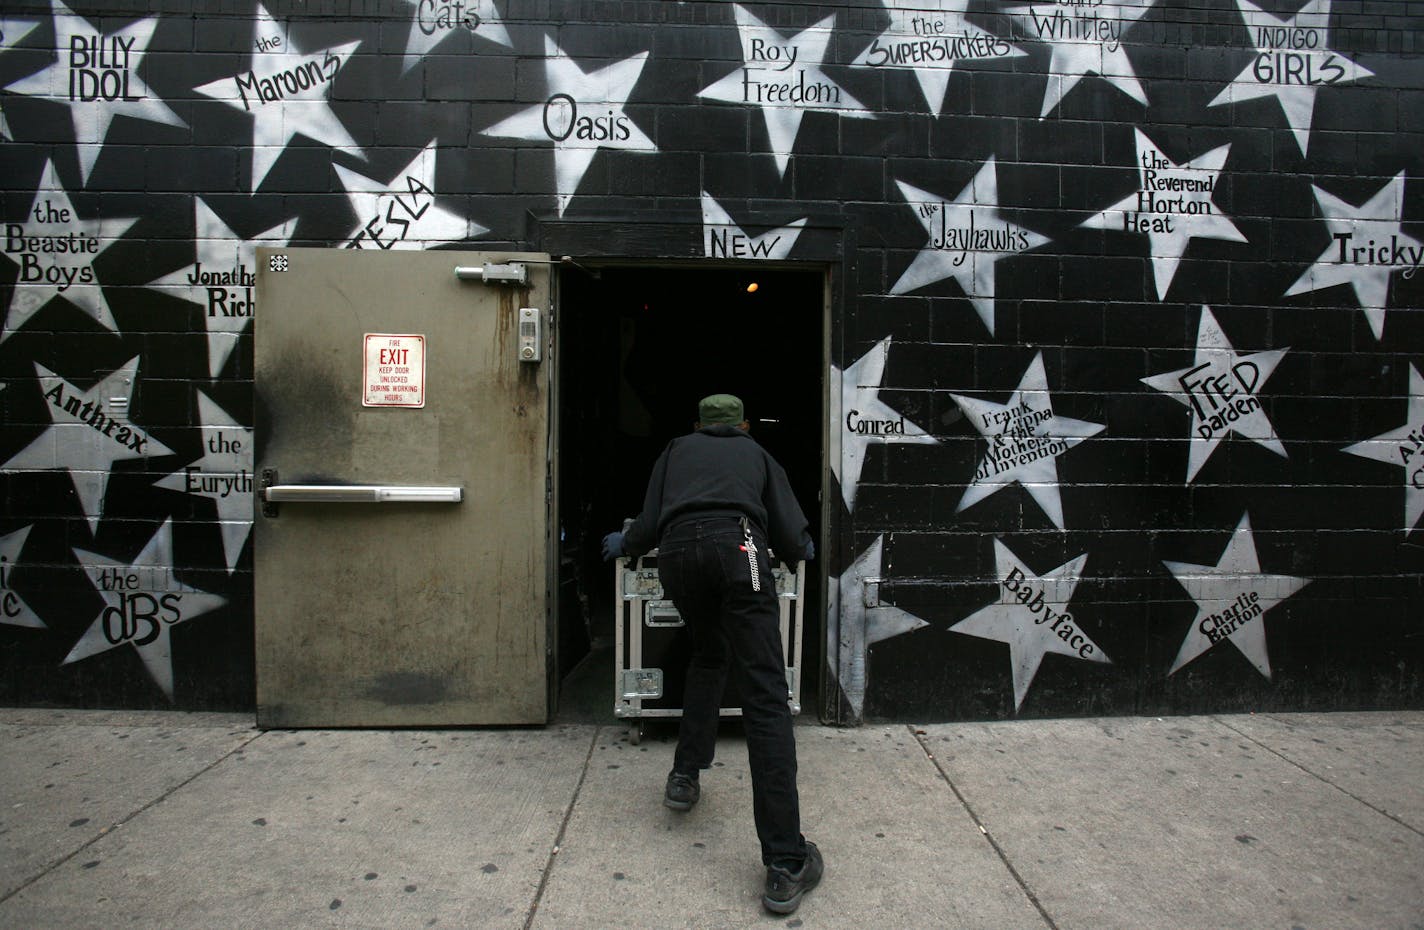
{"x": 1086, "y": 302}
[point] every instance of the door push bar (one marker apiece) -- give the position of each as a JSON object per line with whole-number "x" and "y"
{"x": 273, "y": 494}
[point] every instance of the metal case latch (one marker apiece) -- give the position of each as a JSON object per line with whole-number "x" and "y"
{"x": 661, "y": 614}
{"x": 642, "y": 683}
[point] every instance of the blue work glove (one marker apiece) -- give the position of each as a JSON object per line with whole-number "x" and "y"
{"x": 613, "y": 546}
{"x": 810, "y": 553}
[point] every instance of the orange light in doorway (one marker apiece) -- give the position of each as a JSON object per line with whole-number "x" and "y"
{"x": 752, "y": 288}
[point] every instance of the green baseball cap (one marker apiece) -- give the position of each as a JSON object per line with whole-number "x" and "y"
{"x": 720, "y": 408}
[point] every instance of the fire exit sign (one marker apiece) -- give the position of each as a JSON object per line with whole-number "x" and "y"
{"x": 394, "y": 371}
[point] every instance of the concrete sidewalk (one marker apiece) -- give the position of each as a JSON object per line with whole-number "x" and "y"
{"x": 181, "y": 820}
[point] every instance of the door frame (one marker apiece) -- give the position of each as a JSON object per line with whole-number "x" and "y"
{"x": 813, "y": 629}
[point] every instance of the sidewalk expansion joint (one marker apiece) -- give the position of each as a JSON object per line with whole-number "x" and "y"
{"x": 133, "y": 815}
{"x": 563, "y": 828}
{"x": 1349, "y": 794}
{"x": 918, "y": 736}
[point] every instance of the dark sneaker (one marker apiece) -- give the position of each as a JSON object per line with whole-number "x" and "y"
{"x": 682, "y": 792}
{"x": 784, "y": 888}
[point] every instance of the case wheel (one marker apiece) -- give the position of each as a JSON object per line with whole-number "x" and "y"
{"x": 635, "y": 733}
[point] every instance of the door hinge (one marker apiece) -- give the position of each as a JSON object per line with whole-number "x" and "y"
{"x": 267, "y": 479}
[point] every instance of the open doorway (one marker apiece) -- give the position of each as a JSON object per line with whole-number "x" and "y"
{"x": 639, "y": 345}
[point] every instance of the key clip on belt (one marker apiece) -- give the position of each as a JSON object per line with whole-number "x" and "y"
{"x": 751, "y": 549}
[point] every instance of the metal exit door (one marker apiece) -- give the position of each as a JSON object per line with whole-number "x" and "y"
{"x": 401, "y": 542}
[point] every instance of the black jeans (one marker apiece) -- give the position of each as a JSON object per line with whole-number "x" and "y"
{"x": 704, "y": 570}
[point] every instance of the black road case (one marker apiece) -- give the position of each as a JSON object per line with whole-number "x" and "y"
{"x": 652, "y": 646}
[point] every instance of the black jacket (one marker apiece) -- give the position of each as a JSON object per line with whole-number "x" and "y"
{"x": 720, "y": 470}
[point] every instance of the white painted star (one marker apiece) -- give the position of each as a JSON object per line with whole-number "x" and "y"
{"x": 224, "y": 474}
{"x": 857, "y": 619}
{"x": 1169, "y": 215}
{"x": 435, "y": 20}
{"x": 1403, "y": 447}
{"x": 723, "y": 238}
{"x": 89, "y": 431}
{"x": 13, "y": 610}
{"x": 967, "y": 238}
{"x": 929, "y": 39}
{"x": 46, "y": 272}
{"x": 403, "y": 214}
{"x": 1292, "y": 64}
{"x": 1222, "y": 390}
{"x": 111, "y": 84}
{"x": 1032, "y": 618}
{"x": 1232, "y": 598}
{"x": 863, "y": 419}
{"x": 222, "y": 278}
{"x": 287, "y": 92}
{"x": 143, "y": 601}
{"x": 775, "y": 72}
{"x": 1357, "y": 236}
{"x": 1086, "y": 39}
{"x": 14, "y": 29}
{"x": 584, "y": 112}
{"x": 1025, "y": 439}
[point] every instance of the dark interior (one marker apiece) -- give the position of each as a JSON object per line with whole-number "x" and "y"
{"x": 638, "y": 346}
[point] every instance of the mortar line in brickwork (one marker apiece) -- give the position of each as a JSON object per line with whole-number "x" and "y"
{"x": 106, "y": 831}
{"x": 563, "y": 828}
{"x": 919, "y": 737}
{"x": 1349, "y": 794}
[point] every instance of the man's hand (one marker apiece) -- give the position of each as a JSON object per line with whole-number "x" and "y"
{"x": 612, "y": 546}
